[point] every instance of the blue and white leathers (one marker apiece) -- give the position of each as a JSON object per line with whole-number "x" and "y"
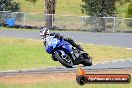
{"x": 53, "y": 43}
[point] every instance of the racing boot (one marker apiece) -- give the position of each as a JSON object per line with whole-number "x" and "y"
{"x": 80, "y": 49}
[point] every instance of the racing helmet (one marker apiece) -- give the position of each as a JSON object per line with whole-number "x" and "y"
{"x": 44, "y": 32}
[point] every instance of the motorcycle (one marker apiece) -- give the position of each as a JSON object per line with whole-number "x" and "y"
{"x": 65, "y": 53}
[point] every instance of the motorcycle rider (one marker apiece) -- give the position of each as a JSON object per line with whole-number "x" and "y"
{"x": 45, "y": 32}
{"x": 75, "y": 56}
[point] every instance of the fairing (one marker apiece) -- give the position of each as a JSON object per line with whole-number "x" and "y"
{"x": 52, "y": 43}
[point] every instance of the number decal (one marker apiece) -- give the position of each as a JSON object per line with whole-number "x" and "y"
{"x": 55, "y": 41}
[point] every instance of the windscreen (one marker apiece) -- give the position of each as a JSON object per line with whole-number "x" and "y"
{"x": 51, "y": 41}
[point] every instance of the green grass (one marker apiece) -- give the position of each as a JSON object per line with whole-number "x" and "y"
{"x": 64, "y": 84}
{"x": 18, "y": 29}
{"x": 122, "y": 10}
{"x": 22, "y": 53}
{"x": 19, "y": 53}
{"x": 103, "y": 53}
{"x": 63, "y": 7}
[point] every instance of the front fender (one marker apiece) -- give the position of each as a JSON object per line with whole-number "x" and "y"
{"x": 49, "y": 49}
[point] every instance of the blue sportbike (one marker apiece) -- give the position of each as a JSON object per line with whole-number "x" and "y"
{"x": 65, "y": 53}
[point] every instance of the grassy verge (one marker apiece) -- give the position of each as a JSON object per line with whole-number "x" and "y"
{"x": 18, "y": 29}
{"x": 22, "y": 53}
{"x": 63, "y": 80}
{"x": 104, "y": 53}
{"x": 65, "y": 7}
{"x": 65, "y": 84}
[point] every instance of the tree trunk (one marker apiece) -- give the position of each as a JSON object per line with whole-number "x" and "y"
{"x": 103, "y": 28}
{"x": 49, "y": 11}
{"x": 103, "y": 14}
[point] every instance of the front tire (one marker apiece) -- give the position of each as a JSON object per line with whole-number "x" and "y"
{"x": 67, "y": 62}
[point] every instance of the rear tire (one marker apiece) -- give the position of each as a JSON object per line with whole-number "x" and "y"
{"x": 87, "y": 61}
{"x": 64, "y": 62}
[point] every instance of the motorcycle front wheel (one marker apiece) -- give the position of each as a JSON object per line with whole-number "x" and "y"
{"x": 65, "y": 61}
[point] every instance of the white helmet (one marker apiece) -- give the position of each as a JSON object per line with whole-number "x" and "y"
{"x": 44, "y": 32}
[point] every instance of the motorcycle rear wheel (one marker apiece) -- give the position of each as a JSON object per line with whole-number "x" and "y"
{"x": 87, "y": 61}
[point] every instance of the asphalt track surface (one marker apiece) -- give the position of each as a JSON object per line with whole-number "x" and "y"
{"x": 111, "y": 39}
{"x": 109, "y": 65}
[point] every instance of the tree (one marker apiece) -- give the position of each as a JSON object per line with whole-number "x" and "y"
{"x": 129, "y": 11}
{"x": 129, "y": 15}
{"x": 49, "y": 9}
{"x": 101, "y": 8}
{"x": 9, "y": 5}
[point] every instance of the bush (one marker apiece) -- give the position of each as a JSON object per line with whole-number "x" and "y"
{"x": 129, "y": 11}
{"x": 129, "y": 15}
{"x": 9, "y": 5}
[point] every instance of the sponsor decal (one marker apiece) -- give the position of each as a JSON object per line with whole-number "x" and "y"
{"x": 83, "y": 78}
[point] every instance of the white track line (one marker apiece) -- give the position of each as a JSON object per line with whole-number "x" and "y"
{"x": 113, "y": 61}
{"x": 129, "y": 48}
